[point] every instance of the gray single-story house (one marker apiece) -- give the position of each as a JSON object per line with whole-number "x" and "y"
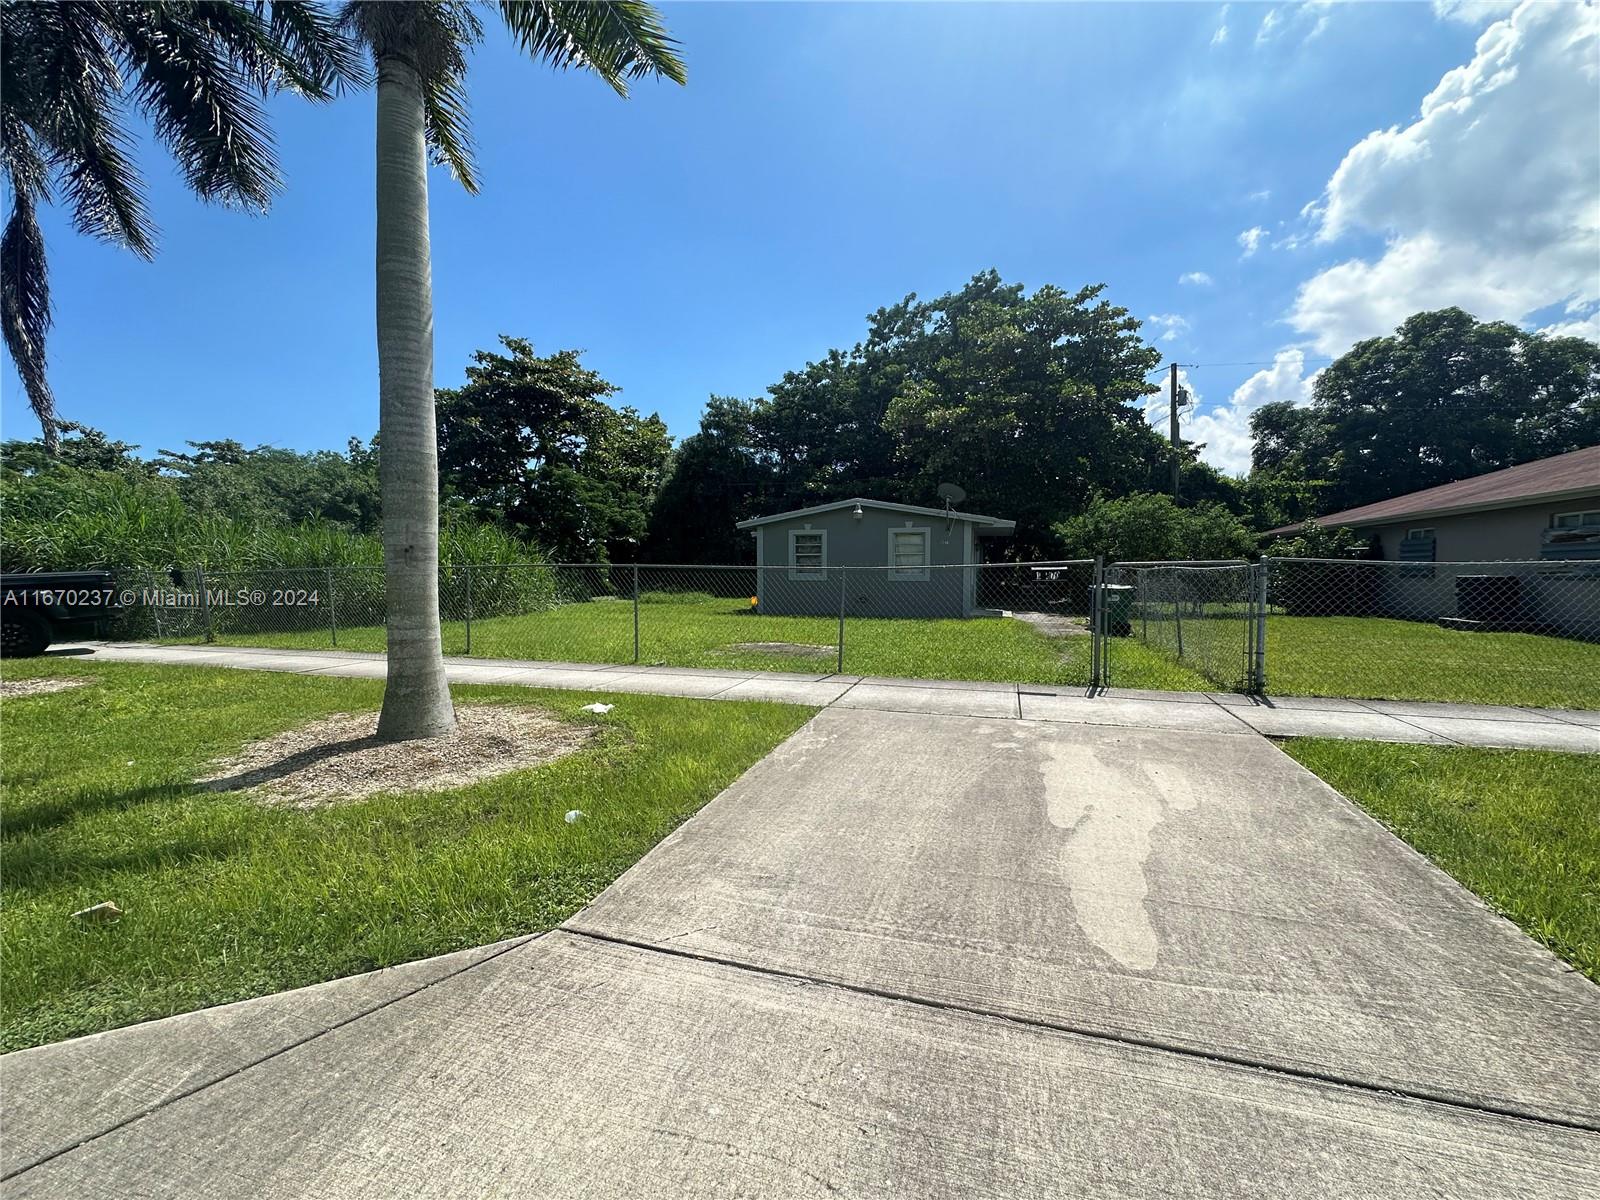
{"x": 1527, "y": 537}
{"x": 1544, "y": 509}
{"x": 923, "y": 561}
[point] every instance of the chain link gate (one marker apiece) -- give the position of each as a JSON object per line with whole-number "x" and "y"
{"x": 1190, "y": 624}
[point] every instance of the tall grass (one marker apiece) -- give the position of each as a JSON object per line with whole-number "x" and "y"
{"x": 73, "y": 520}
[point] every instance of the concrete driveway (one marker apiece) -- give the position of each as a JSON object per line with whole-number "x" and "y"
{"x": 907, "y": 955}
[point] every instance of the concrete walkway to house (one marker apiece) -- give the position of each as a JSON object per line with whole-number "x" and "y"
{"x": 1218, "y": 712}
{"x": 906, "y": 955}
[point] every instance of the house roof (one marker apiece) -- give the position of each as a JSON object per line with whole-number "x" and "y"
{"x": 1564, "y": 475}
{"x": 991, "y": 524}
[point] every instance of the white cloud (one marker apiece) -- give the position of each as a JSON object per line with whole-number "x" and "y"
{"x": 1170, "y": 324}
{"x": 1251, "y": 239}
{"x": 1225, "y": 428}
{"x": 1472, "y": 12}
{"x": 1312, "y": 16}
{"x": 1486, "y": 201}
{"x": 1584, "y": 327}
{"x": 1262, "y": 196}
{"x": 1196, "y": 279}
{"x": 1221, "y": 35}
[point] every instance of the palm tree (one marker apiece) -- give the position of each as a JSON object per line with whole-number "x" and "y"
{"x": 198, "y": 71}
{"x": 420, "y": 52}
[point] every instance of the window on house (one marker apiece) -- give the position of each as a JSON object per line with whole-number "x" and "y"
{"x": 808, "y": 554}
{"x": 1420, "y": 535}
{"x": 1572, "y": 520}
{"x": 908, "y": 554}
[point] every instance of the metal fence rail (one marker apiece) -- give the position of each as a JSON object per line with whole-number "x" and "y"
{"x": 1297, "y": 626}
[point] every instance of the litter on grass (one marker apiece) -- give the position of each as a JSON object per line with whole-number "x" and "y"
{"x": 103, "y": 913}
{"x": 574, "y": 816}
{"x": 598, "y": 708}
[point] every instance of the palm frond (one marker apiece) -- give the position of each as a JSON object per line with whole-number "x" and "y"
{"x": 433, "y": 39}
{"x": 205, "y": 109}
{"x": 444, "y": 105}
{"x": 62, "y": 85}
{"x": 312, "y": 50}
{"x": 25, "y": 309}
{"x": 618, "y": 40}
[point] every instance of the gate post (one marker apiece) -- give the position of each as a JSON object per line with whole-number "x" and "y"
{"x": 843, "y": 571}
{"x": 333, "y": 615}
{"x": 1097, "y": 648}
{"x": 205, "y": 601}
{"x": 1177, "y": 610}
{"x": 635, "y": 612}
{"x": 467, "y": 571}
{"x": 1260, "y": 681}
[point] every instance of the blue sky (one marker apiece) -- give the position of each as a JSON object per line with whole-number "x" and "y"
{"x": 827, "y": 159}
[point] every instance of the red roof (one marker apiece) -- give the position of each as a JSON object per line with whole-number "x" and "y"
{"x": 1571, "y": 474}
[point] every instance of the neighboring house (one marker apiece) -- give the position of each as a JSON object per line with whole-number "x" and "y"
{"x": 1463, "y": 547}
{"x": 916, "y": 555}
{"x": 1545, "y": 509}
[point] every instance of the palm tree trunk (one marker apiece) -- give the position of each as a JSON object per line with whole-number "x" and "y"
{"x": 416, "y": 701}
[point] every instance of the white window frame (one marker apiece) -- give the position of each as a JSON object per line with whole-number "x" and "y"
{"x": 911, "y": 574}
{"x": 1581, "y": 513}
{"x": 1421, "y": 534}
{"x": 798, "y": 573}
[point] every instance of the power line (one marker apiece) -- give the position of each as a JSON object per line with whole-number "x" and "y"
{"x": 1259, "y": 362}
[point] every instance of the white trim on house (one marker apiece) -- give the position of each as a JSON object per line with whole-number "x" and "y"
{"x": 798, "y": 573}
{"x": 898, "y": 574}
{"x": 916, "y": 510}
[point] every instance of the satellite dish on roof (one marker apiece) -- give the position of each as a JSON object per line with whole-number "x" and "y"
{"x": 951, "y": 494}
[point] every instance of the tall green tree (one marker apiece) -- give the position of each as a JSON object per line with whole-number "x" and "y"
{"x": 1029, "y": 401}
{"x": 715, "y": 478}
{"x": 1445, "y": 397}
{"x": 70, "y": 72}
{"x": 531, "y": 443}
{"x": 1147, "y": 527}
{"x": 419, "y": 51}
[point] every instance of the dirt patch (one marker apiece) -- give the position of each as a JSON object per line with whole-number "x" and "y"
{"x": 797, "y": 649}
{"x": 339, "y": 758}
{"x": 1052, "y": 625}
{"x": 10, "y": 689}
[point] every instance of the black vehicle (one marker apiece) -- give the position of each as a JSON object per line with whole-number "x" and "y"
{"x": 38, "y": 608}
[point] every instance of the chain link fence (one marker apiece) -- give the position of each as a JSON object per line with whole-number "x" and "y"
{"x": 1202, "y": 616}
{"x": 1382, "y": 628}
{"x": 1280, "y": 625}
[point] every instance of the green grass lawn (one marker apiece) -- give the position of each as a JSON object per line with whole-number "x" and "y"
{"x": 708, "y": 632}
{"x": 1380, "y": 658}
{"x": 227, "y": 899}
{"x": 1384, "y": 659}
{"x": 1521, "y": 828}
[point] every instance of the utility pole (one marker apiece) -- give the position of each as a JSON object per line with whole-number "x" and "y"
{"x": 1174, "y": 412}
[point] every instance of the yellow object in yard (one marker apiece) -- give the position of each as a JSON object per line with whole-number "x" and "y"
{"x": 754, "y": 600}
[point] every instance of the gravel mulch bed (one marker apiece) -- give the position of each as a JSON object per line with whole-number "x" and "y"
{"x": 339, "y": 758}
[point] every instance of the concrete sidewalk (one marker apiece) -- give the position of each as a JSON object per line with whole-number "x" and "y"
{"x": 1216, "y": 712}
{"x": 904, "y": 955}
